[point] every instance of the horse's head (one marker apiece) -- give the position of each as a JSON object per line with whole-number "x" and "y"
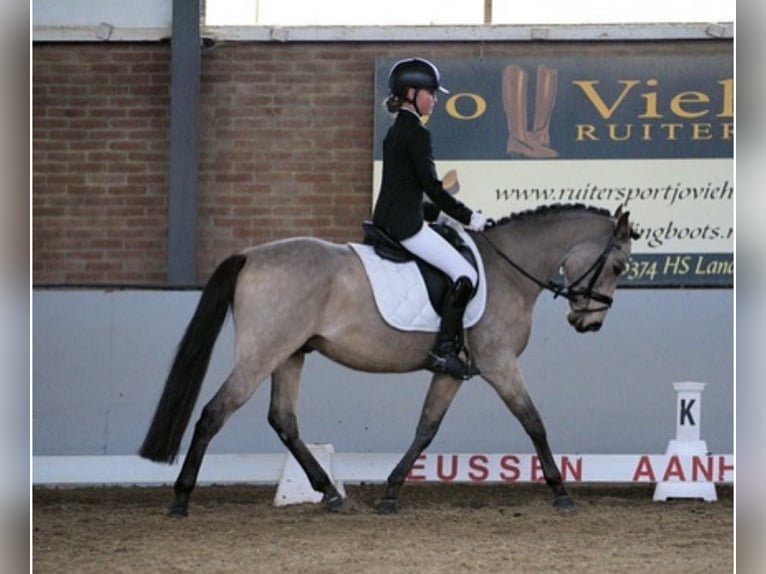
{"x": 592, "y": 269}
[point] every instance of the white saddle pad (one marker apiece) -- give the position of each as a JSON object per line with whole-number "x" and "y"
{"x": 400, "y": 291}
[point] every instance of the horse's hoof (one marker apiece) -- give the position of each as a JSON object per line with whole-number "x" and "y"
{"x": 387, "y": 506}
{"x": 334, "y": 502}
{"x": 177, "y": 510}
{"x": 564, "y": 504}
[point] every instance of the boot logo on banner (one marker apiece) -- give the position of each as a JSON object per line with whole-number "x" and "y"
{"x": 532, "y": 143}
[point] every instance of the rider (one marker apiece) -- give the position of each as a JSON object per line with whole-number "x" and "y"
{"x": 408, "y": 173}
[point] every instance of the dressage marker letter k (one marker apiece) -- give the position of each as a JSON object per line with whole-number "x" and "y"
{"x": 686, "y": 412}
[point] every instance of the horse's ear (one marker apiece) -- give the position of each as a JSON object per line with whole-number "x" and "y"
{"x": 618, "y": 212}
{"x": 622, "y": 230}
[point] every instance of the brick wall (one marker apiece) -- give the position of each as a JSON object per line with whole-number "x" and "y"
{"x": 286, "y": 148}
{"x": 100, "y": 163}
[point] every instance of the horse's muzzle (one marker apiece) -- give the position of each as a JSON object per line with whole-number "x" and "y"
{"x": 580, "y": 323}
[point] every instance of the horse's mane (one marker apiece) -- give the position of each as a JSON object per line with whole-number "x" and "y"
{"x": 552, "y": 209}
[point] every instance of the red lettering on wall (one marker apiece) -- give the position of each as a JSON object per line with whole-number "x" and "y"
{"x": 536, "y": 474}
{"x": 674, "y": 469}
{"x": 699, "y": 469}
{"x": 570, "y": 471}
{"x": 441, "y": 474}
{"x": 510, "y": 465}
{"x": 723, "y": 468}
{"x": 418, "y": 465}
{"x": 644, "y": 470}
{"x": 478, "y": 465}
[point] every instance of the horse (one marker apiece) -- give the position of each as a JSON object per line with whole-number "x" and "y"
{"x": 293, "y": 296}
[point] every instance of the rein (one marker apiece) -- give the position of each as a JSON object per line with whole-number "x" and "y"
{"x": 572, "y": 291}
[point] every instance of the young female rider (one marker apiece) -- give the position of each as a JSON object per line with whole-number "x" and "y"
{"x": 408, "y": 173}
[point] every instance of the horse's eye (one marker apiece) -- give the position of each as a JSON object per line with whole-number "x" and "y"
{"x": 618, "y": 269}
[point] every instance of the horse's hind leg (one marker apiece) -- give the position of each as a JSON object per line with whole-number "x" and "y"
{"x": 438, "y": 399}
{"x": 285, "y": 381}
{"x": 235, "y": 392}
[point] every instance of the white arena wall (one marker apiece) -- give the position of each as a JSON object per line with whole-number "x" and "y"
{"x": 100, "y": 358}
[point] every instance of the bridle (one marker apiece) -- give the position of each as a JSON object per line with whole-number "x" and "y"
{"x": 574, "y": 290}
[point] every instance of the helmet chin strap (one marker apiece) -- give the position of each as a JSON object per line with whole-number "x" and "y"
{"x": 414, "y": 102}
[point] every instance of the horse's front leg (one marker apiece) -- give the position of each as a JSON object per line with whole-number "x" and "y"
{"x": 513, "y": 391}
{"x": 438, "y": 399}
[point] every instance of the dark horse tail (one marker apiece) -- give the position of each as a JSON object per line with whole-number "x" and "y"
{"x": 184, "y": 382}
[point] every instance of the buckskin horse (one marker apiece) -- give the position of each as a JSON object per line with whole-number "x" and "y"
{"x": 294, "y": 296}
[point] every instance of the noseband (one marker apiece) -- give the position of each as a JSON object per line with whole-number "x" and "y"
{"x": 596, "y": 268}
{"x": 573, "y": 291}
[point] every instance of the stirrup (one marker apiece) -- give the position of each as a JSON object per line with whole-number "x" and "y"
{"x": 452, "y": 365}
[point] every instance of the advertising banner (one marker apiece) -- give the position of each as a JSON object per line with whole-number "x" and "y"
{"x": 655, "y": 135}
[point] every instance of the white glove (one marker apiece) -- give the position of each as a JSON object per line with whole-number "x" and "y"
{"x": 478, "y": 221}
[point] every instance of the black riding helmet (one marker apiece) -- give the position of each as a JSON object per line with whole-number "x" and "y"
{"x": 415, "y": 73}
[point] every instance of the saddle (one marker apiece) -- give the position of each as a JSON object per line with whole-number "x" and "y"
{"x": 437, "y": 282}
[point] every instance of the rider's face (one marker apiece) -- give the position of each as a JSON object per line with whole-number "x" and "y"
{"x": 425, "y": 100}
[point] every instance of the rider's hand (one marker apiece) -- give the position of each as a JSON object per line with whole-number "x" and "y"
{"x": 450, "y": 182}
{"x": 478, "y": 221}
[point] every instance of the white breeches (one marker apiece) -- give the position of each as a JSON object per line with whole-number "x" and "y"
{"x": 434, "y": 249}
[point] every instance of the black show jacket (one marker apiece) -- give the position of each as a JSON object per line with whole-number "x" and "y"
{"x": 408, "y": 173}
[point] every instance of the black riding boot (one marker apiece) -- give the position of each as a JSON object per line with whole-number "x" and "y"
{"x": 445, "y": 356}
